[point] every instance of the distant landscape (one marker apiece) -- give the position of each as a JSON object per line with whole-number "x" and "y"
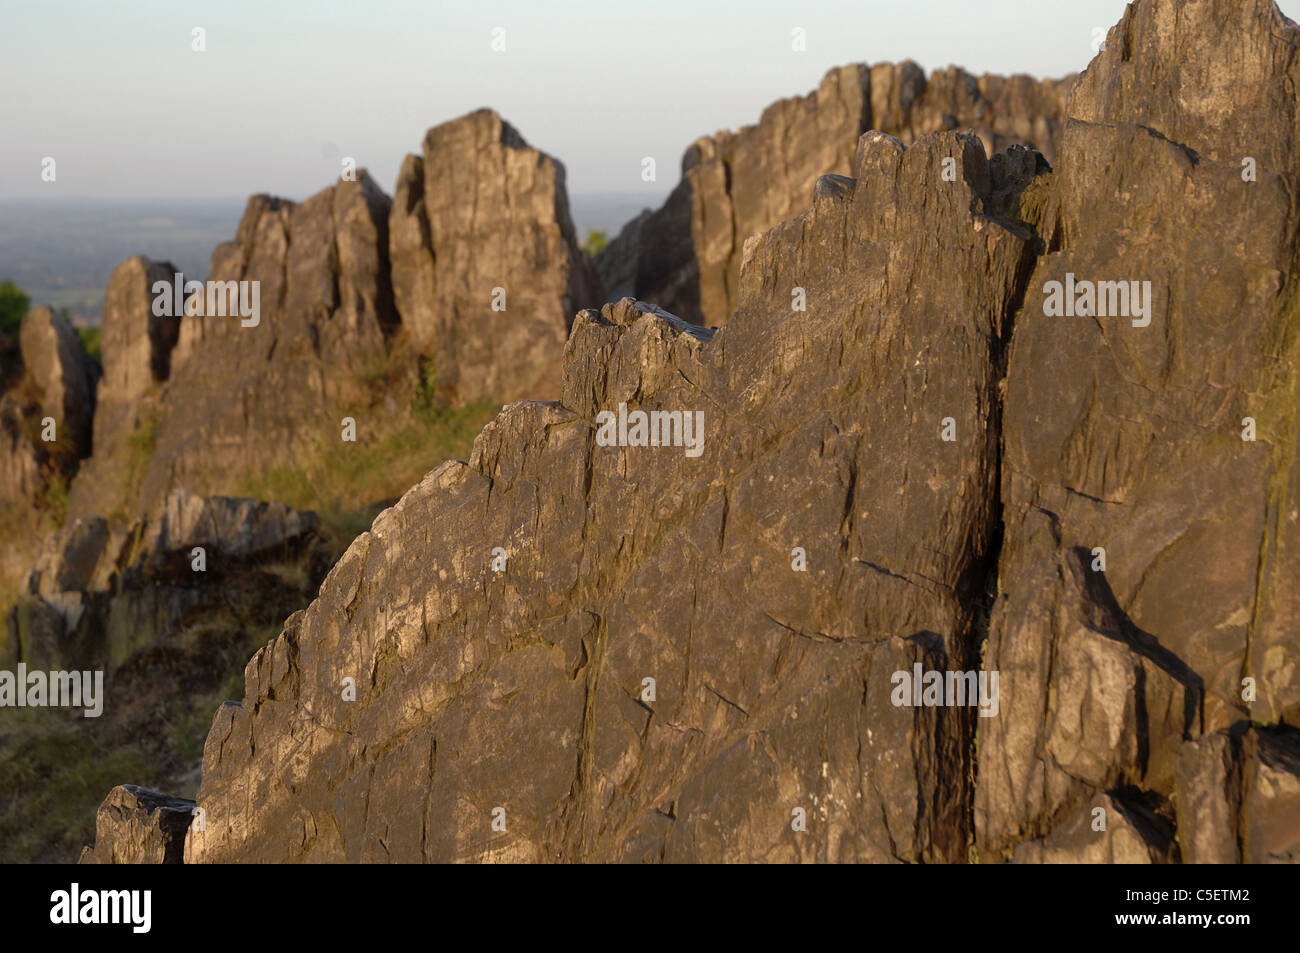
{"x": 61, "y": 253}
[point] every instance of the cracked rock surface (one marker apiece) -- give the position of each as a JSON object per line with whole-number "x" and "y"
{"x": 567, "y": 649}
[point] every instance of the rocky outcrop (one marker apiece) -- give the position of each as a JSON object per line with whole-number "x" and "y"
{"x": 686, "y": 256}
{"x": 138, "y": 826}
{"x": 98, "y": 595}
{"x": 1149, "y": 550}
{"x": 486, "y": 270}
{"x": 47, "y": 402}
{"x": 136, "y": 343}
{"x": 970, "y": 551}
{"x": 62, "y": 374}
{"x": 46, "y": 406}
{"x": 770, "y": 621}
{"x": 1238, "y": 796}
{"x": 298, "y": 318}
{"x": 20, "y": 460}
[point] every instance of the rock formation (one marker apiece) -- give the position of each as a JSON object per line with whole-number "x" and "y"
{"x": 139, "y": 826}
{"x": 486, "y": 269}
{"x": 135, "y": 342}
{"x": 686, "y": 256}
{"x": 971, "y": 536}
{"x": 633, "y": 563}
{"x": 98, "y": 594}
{"x": 1129, "y": 439}
{"x": 47, "y": 400}
{"x": 48, "y": 379}
{"x": 210, "y": 396}
{"x": 61, "y": 373}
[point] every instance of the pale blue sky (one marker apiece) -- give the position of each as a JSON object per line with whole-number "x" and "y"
{"x": 114, "y": 92}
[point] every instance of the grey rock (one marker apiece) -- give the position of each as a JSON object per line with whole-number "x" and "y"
{"x": 135, "y": 825}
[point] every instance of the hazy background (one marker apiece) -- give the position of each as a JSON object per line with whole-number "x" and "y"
{"x": 158, "y": 146}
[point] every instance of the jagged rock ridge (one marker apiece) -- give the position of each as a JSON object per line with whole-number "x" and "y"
{"x": 218, "y": 394}
{"x": 502, "y": 711}
{"x": 686, "y": 256}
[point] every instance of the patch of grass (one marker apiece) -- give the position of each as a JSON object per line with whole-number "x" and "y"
{"x": 90, "y": 341}
{"x": 140, "y": 442}
{"x": 189, "y": 727}
{"x": 348, "y": 486}
{"x": 54, "y": 497}
{"x": 42, "y": 750}
{"x": 144, "y": 438}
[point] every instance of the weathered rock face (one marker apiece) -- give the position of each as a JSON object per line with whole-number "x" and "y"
{"x": 486, "y": 269}
{"x": 138, "y": 826}
{"x": 136, "y": 343}
{"x": 686, "y": 256}
{"x": 628, "y": 563}
{"x": 20, "y": 461}
{"x": 294, "y": 310}
{"x": 62, "y": 374}
{"x": 197, "y": 400}
{"x": 47, "y": 403}
{"x": 606, "y": 639}
{"x": 1132, "y": 833}
{"x": 1129, "y": 438}
{"x": 48, "y": 379}
{"x": 1238, "y": 796}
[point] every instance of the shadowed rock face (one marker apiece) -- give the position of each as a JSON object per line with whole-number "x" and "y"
{"x": 244, "y": 396}
{"x": 62, "y": 374}
{"x": 477, "y": 212}
{"x": 98, "y": 594}
{"x": 136, "y": 343}
{"x": 686, "y": 255}
{"x": 1129, "y": 439}
{"x": 209, "y": 394}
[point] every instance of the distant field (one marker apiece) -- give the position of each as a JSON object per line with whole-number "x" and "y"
{"x": 62, "y": 252}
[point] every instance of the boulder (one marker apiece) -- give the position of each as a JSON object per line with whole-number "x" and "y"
{"x": 136, "y": 825}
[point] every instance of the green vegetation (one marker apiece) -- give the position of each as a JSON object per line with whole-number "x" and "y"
{"x": 48, "y": 750}
{"x": 144, "y": 437}
{"x": 90, "y": 341}
{"x": 54, "y": 498}
{"x": 347, "y": 485}
{"x": 13, "y": 305}
{"x": 595, "y": 242}
{"x": 188, "y": 723}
